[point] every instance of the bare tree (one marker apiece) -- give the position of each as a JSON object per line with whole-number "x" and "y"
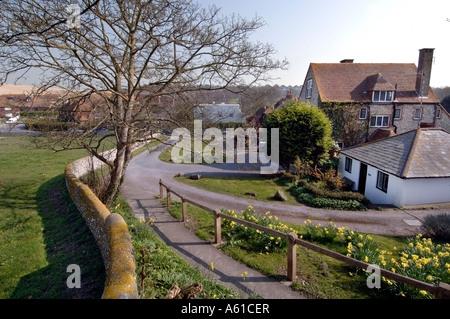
{"x": 132, "y": 54}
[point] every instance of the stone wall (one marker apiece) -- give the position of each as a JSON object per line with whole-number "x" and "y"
{"x": 109, "y": 230}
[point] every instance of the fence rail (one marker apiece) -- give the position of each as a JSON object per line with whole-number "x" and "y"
{"x": 440, "y": 291}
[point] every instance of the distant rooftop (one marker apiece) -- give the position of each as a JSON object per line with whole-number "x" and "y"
{"x": 422, "y": 153}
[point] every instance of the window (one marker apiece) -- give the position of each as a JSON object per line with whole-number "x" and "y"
{"x": 397, "y": 114}
{"x": 438, "y": 113}
{"x": 418, "y": 114}
{"x": 363, "y": 113}
{"x": 379, "y": 121}
{"x": 309, "y": 89}
{"x": 382, "y": 181}
{"x": 383, "y": 96}
{"x": 348, "y": 164}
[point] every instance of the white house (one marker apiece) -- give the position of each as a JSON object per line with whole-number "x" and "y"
{"x": 412, "y": 168}
{"x": 219, "y": 113}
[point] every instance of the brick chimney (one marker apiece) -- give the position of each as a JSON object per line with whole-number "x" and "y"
{"x": 424, "y": 72}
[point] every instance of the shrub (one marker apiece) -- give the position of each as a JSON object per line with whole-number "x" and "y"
{"x": 288, "y": 178}
{"x": 437, "y": 227}
{"x": 320, "y": 200}
{"x": 317, "y": 191}
{"x": 331, "y": 179}
{"x": 49, "y": 125}
{"x": 305, "y": 130}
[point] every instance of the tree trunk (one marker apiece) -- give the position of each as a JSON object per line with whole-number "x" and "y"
{"x": 111, "y": 191}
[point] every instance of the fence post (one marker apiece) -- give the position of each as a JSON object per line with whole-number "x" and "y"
{"x": 168, "y": 197}
{"x": 161, "y": 189}
{"x": 183, "y": 209}
{"x": 217, "y": 227}
{"x": 292, "y": 256}
{"x": 443, "y": 291}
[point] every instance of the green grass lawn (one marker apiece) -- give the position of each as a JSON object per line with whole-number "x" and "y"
{"x": 41, "y": 231}
{"x": 264, "y": 188}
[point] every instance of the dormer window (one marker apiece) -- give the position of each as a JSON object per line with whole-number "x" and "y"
{"x": 383, "y": 96}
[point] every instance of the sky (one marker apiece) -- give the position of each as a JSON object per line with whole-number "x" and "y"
{"x": 368, "y": 31}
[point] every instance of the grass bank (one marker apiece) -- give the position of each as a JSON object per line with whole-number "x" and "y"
{"x": 42, "y": 232}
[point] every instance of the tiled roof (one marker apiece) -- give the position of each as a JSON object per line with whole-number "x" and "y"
{"x": 351, "y": 82}
{"x": 421, "y": 153}
{"x": 380, "y": 134}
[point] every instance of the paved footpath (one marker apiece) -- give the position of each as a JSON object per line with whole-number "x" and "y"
{"x": 141, "y": 185}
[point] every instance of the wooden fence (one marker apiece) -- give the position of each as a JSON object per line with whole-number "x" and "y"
{"x": 440, "y": 291}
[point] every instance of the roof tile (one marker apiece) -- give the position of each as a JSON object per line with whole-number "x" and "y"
{"x": 352, "y": 82}
{"x": 422, "y": 153}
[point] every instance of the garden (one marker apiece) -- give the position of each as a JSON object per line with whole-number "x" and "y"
{"x": 318, "y": 276}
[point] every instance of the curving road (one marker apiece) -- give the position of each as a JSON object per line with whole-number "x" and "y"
{"x": 144, "y": 172}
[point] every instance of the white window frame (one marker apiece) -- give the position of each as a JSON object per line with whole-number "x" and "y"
{"x": 400, "y": 114}
{"x": 377, "y": 96}
{"x": 382, "y": 181}
{"x": 383, "y": 117}
{"x": 438, "y": 113}
{"x": 309, "y": 88}
{"x": 415, "y": 114}
{"x": 365, "y": 114}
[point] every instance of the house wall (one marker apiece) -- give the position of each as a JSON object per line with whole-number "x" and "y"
{"x": 408, "y": 123}
{"x": 374, "y": 194}
{"x": 425, "y": 191}
{"x": 354, "y": 175}
{"x": 401, "y": 192}
{"x": 377, "y": 196}
{"x": 314, "y": 100}
{"x": 386, "y": 109}
{"x": 444, "y": 120}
